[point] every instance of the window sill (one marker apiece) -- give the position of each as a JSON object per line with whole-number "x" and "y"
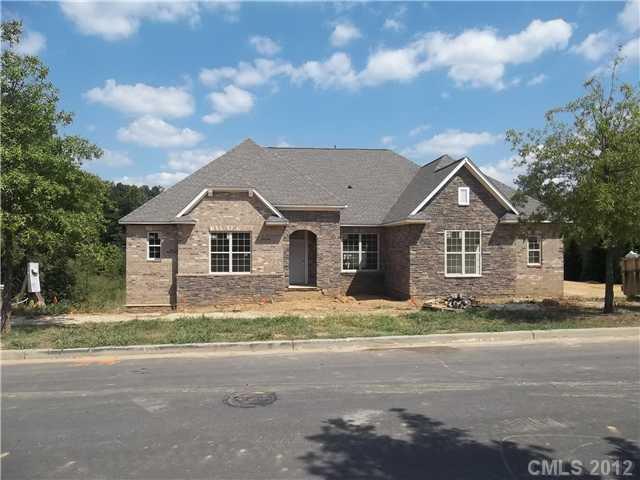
{"x": 154, "y": 260}
{"x": 222, "y": 274}
{"x": 534, "y": 265}
{"x": 456, "y": 275}
{"x": 353, "y": 272}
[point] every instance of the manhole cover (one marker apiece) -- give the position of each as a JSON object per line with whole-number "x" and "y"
{"x": 249, "y": 399}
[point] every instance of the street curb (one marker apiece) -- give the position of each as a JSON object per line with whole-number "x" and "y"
{"x": 335, "y": 344}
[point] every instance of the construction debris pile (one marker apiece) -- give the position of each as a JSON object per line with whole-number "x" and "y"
{"x": 451, "y": 302}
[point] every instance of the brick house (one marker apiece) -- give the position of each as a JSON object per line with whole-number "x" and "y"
{"x": 258, "y": 221}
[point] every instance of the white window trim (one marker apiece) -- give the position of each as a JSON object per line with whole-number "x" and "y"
{"x": 377, "y": 269}
{"x": 149, "y": 258}
{"x": 231, "y": 254}
{"x": 463, "y": 275}
{"x": 468, "y": 193}
{"x": 539, "y": 238}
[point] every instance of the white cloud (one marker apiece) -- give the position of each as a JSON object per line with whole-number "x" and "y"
{"x": 228, "y": 9}
{"x": 246, "y": 75}
{"x": 31, "y": 43}
{"x": 179, "y": 165}
{"x": 164, "y": 179}
{"x": 264, "y": 45}
{"x": 283, "y": 143}
{"x": 387, "y": 140}
{"x": 400, "y": 64}
{"x": 393, "y": 24}
{"x": 343, "y": 33}
{"x": 230, "y": 101}
{"x": 114, "y": 159}
{"x": 629, "y": 17}
{"x": 478, "y": 57}
{"x": 504, "y": 170}
{"x": 537, "y": 80}
{"x": 191, "y": 160}
{"x": 419, "y": 129}
{"x": 142, "y": 99}
{"x": 452, "y": 142}
{"x": 336, "y": 71}
{"x": 118, "y": 20}
{"x": 595, "y": 46}
{"x": 631, "y": 51}
{"x": 154, "y": 132}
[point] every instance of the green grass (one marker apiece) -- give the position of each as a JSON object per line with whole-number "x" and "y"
{"x": 203, "y": 329}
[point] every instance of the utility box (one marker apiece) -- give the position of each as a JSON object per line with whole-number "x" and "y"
{"x": 33, "y": 277}
{"x": 630, "y": 269}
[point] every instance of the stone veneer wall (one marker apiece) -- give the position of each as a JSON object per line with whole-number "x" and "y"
{"x": 364, "y": 282}
{"x": 151, "y": 282}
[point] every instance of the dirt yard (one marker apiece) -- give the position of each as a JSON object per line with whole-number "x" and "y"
{"x": 314, "y": 304}
{"x": 590, "y": 291}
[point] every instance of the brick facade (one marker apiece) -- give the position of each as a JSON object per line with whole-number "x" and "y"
{"x": 151, "y": 282}
{"x": 416, "y": 253}
{"x": 364, "y": 282}
{"x": 411, "y": 257}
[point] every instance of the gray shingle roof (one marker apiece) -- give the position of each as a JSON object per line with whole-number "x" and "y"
{"x": 368, "y": 181}
{"x": 425, "y": 180}
{"x": 246, "y": 166}
{"x": 377, "y": 185}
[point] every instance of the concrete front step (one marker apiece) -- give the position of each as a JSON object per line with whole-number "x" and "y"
{"x": 301, "y": 293}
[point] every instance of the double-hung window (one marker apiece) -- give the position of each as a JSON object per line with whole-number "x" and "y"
{"x": 230, "y": 252}
{"x": 463, "y": 256}
{"x": 534, "y": 250}
{"x": 153, "y": 246}
{"x": 360, "y": 252}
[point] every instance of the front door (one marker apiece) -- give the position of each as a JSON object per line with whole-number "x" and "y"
{"x": 298, "y": 261}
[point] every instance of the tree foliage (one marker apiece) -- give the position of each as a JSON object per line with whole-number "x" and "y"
{"x": 123, "y": 199}
{"x": 584, "y": 165}
{"x": 50, "y": 205}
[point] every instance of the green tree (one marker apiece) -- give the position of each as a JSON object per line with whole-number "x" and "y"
{"x": 50, "y": 206}
{"x": 584, "y": 165}
{"x": 123, "y": 199}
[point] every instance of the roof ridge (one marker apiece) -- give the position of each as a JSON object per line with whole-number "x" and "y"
{"x": 329, "y": 148}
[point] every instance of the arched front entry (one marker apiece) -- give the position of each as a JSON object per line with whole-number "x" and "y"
{"x": 302, "y": 258}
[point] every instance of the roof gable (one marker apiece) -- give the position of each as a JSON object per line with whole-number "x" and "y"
{"x": 377, "y": 186}
{"x": 475, "y": 171}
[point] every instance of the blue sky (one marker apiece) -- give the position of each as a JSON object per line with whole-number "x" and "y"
{"x": 165, "y": 87}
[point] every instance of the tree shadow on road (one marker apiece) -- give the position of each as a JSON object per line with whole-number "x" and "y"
{"x": 625, "y": 451}
{"x": 431, "y": 451}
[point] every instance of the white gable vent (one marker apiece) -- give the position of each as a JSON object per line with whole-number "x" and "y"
{"x": 463, "y": 196}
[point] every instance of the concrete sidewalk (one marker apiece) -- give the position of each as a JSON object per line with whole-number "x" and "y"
{"x": 328, "y": 345}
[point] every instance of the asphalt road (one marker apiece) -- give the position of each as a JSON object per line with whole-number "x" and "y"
{"x": 430, "y": 413}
